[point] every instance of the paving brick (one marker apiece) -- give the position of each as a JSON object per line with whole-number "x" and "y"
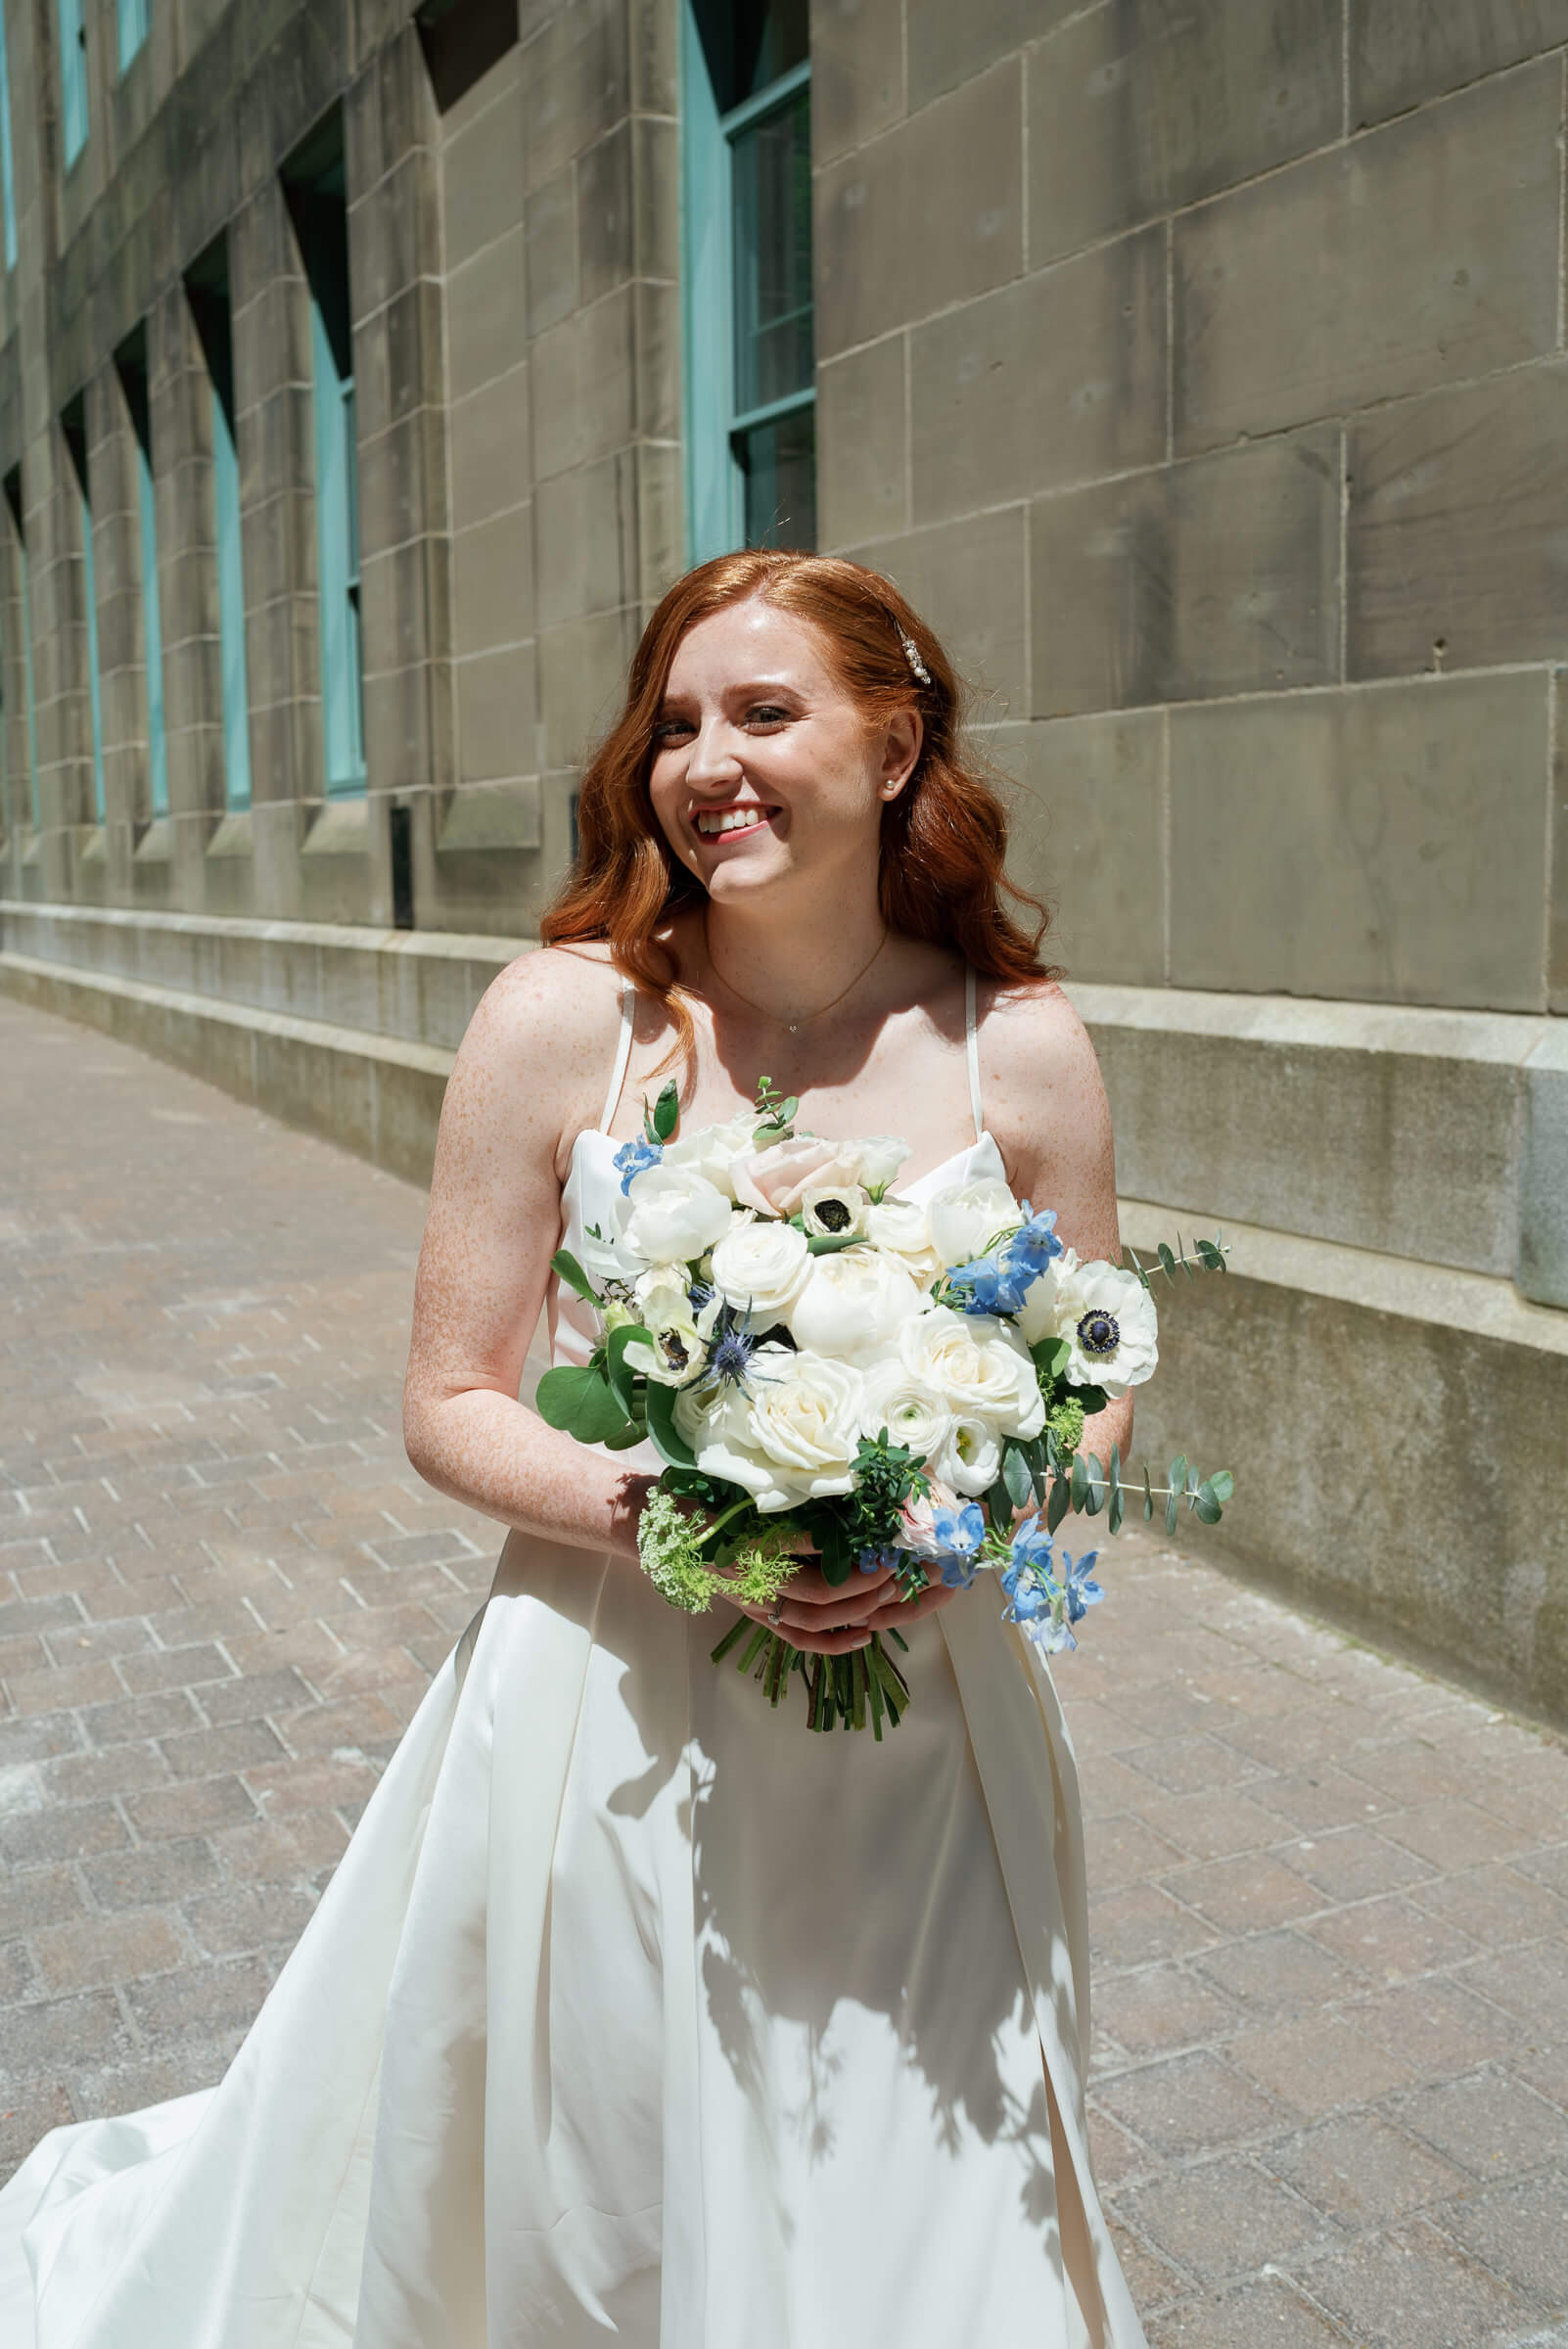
{"x": 1222, "y": 2219}
{"x": 1190, "y": 2104}
{"x": 69, "y": 1833}
{"x": 1362, "y": 2170}
{"x": 238, "y": 1745}
{"x": 1489, "y": 2124}
{"x": 1390, "y": 1938}
{"x": 1318, "y": 2066}
{"x": 1411, "y": 2289}
{"x": 198, "y": 1804}
{"x": 165, "y": 1871}
{"x": 90, "y": 1950}
{"x": 1273, "y": 2313}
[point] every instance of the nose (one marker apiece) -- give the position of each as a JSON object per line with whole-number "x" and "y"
{"x": 712, "y": 760}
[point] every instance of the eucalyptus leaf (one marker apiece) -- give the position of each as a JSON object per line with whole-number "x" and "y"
{"x": 670, "y": 1444}
{"x": 1051, "y": 1355}
{"x": 1206, "y": 1504}
{"x": 623, "y": 1382}
{"x": 1079, "y": 1481}
{"x": 1095, "y": 1491}
{"x": 1223, "y": 1483}
{"x": 1166, "y": 1261}
{"x": 828, "y": 1243}
{"x": 1015, "y": 1476}
{"x": 572, "y": 1273}
{"x": 998, "y": 1504}
{"x": 1148, "y": 1497}
{"x": 580, "y": 1402}
{"x": 634, "y": 1432}
{"x": 1057, "y": 1506}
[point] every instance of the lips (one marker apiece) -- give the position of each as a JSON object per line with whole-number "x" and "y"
{"x": 724, "y": 823}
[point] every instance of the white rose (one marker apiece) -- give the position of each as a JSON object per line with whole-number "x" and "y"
{"x": 1114, "y": 1330}
{"x": 806, "y": 1416}
{"x": 966, "y": 1216}
{"x": 712, "y": 1150}
{"x": 970, "y": 1460}
{"x": 880, "y": 1156}
{"x": 912, "y": 1414}
{"x": 672, "y": 1215}
{"x": 837, "y": 1208}
{"x": 898, "y": 1227}
{"x": 760, "y": 1265}
{"x": 791, "y": 1438}
{"x": 850, "y": 1302}
{"x": 978, "y": 1365}
{"x": 1047, "y": 1309}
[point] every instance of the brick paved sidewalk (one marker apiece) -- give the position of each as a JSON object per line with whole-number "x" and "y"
{"x": 1331, "y": 2095}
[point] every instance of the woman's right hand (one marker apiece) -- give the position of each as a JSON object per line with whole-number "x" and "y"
{"x": 823, "y": 1618}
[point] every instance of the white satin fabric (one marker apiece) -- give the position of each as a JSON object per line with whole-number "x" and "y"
{"x": 636, "y": 2010}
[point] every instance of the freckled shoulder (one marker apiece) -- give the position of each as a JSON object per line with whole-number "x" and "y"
{"x": 1044, "y": 1096}
{"x": 539, "y": 1051}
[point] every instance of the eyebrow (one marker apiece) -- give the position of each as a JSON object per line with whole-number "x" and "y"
{"x": 755, "y": 689}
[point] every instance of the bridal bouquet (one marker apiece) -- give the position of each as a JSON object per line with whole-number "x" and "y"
{"x": 904, "y": 1384}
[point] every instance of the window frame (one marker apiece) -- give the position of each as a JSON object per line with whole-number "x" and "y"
{"x": 715, "y": 479}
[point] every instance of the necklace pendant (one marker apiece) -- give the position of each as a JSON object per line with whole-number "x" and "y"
{"x": 793, "y": 1024}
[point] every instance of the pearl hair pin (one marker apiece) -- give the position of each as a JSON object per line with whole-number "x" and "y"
{"x": 913, "y": 658}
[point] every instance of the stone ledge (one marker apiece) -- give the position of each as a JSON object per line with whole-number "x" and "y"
{"x": 1396, "y": 1435}
{"x": 418, "y": 985}
{"x": 378, "y": 1096}
{"x": 1396, "y": 1130}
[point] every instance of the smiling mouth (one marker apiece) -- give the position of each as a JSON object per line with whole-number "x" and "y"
{"x": 718, "y": 823}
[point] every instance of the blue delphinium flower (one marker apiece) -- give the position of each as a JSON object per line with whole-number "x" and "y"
{"x": 959, "y": 1534}
{"x": 873, "y": 1561}
{"x": 633, "y": 1158}
{"x": 1079, "y": 1588}
{"x": 997, "y": 1283}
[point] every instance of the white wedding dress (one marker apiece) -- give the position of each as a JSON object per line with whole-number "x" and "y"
{"x": 634, "y": 2010}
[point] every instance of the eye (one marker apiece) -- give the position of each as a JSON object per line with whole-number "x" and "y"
{"x": 667, "y": 728}
{"x": 766, "y": 713}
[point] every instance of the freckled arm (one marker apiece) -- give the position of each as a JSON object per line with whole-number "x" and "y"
{"x": 493, "y": 1224}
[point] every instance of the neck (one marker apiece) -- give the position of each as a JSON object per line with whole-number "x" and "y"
{"x": 794, "y": 961}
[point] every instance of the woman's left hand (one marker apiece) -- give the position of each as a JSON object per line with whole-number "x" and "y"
{"x": 896, "y": 1611}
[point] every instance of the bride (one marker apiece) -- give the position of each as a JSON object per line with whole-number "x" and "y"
{"x": 632, "y": 2008}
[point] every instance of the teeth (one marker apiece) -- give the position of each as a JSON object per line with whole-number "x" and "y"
{"x": 727, "y": 819}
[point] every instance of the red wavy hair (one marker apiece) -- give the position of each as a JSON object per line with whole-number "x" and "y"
{"x": 944, "y": 838}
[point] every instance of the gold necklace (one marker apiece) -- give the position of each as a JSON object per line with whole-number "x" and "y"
{"x": 806, "y": 1017}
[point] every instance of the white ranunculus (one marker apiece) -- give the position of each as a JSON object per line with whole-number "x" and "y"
{"x": 1047, "y": 1309}
{"x": 712, "y": 1150}
{"x": 970, "y": 1460}
{"x": 965, "y": 1215}
{"x": 672, "y": 1215}
{"x": 791, "y": 1438}
{"x": 759, "y": 1264}
{"x": 837, "y": 1208}
{"x": 851, "y": 1303}
{"x": 912, "y": 1414}
{"x": 881, "y": 1155}
{"x": 978, "y": 1365}
{"x": 1107, "y": 1304}
{"x": 899, "y": 1227}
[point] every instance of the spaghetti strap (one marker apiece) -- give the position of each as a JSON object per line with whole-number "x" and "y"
{"x": 972, "y": 1047}
{"x": 617, "y": 1077}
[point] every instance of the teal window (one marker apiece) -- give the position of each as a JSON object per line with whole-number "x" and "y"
{"x": 12, "y": 492}
{"x": 132, "y": 364}
{"x": 8, "y": 174}
{"x": 315, "y": 186}
{"x": 72, "y": 79}
{"x": 77, "y": 448}
{"x": 746, "y": 226}
{"x": 208, "y": 292}
{"x": 134, "y": 28}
